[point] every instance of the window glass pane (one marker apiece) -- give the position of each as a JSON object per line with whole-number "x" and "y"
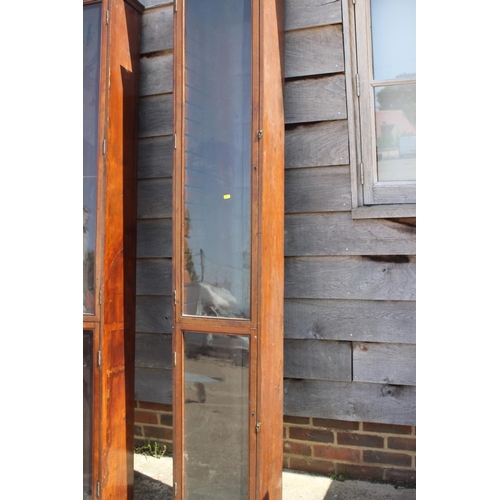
{"x": 396, "y": 130}
{"x": 88, "y": 412}
{"x": 216, "y": 425}
{"x": 91, "y": 56}
{"x": 217, "y": 158}
{"x": 393, "y": 38}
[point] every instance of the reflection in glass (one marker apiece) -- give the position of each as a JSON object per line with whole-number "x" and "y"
{"x": 393, "y": 38}
{"x": 216, "y": 389}
{"x": 91, "y": 56}
{"x": 88, "y": 413}
{"x": 217, "y": 158}
{"x": 396, "y": 129}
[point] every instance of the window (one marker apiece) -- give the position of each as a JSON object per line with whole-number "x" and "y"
{"x": 383, "y": 65}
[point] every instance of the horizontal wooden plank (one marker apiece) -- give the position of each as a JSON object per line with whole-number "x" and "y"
{"x": 356, "y": 401}
{"x": 154, "y": 198}
{"x": 337, "y": 234}
{"x": 155, "y": 3}
{"x": 156, "y": 74}
{"x": 153, "y": 313}
{"x": 354, "y": 277}
{"x": 153, "y": 385}
{"x": 154, "y": 238}
{"x": 314, "y": 51}
{"x": 155, "y": 116}
{"x": 306, "y": 13}
{"x": 153, "y": 350}
{"x": 356, "y": 320}
{"x": 157, "y": 29}
{"x": 155, "y": 157}
{"x": 325, "y": 189}
{"x": 314, "y": 100}
{"x": 384, "y": 363}
{"x": 318, "y": 359}
{"x": 154, "y": 277}
{"x": 317, "y": 145}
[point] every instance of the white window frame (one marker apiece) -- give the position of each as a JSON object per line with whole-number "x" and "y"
{"x": 370, "y": 197}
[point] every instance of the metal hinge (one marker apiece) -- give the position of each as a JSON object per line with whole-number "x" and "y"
{"x": 175, "y": 489}
{"x": 175, "y": 359}
{"x": 100, "y": 296}
{"x": 99, "y": 358}
{"x": 175, "y": 5}
{"x": 362, "y": 172}
{"x": 175, "y": 141}
{"x": 98, "y": 489}
{"x": 104, "y": 146}
{"x": 260, "y": 133}
{"x": 257, "y": 427}
{"x": 107, "y": 17}
{"x": 357, "y": 84}
{"x": 175, "y": 298}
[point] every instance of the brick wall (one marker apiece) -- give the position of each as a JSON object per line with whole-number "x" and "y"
{"x": 356, "y": 450}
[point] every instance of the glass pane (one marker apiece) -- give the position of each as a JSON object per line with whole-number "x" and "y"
{"x": 394, "y": 38}
{"x": 91, "y": 56}
{"x": 217, "y": 158}
{"x": 396, "y": 126}
{"x": 216, "y": 389}
{"x": 88, "y": 412}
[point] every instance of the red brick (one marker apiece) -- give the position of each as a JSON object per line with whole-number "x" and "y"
{"x": 360, "y": 471}
{"x": 158, "y": 433}
{"x": 155, "y": 406}
{"x": 337, "y": 453}
{"x": 403, "y": 476}
{"x": 145, "y": 417}
{"x": 400, "y": 443}
{"x": 336, "y": 424}
{"x": 382, "y": 457}
{"x": 387, "y": 428}
{"x": 308, "y": 434}
{"x": 365, "y": 440}
{"x": 296, "y": 420}
{"x": 296, "y": 448}
{"x": 310, "y": 465}
{"x": 166, "y": 419}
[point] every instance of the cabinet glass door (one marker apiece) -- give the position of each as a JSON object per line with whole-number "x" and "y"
{"x": 217, "y": 158}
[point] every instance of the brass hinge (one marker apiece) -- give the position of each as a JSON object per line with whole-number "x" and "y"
{"x": 175, "y": 359}
{"x": 357, "y": 84}
{"x": 260, "y": 133}
{"x": 175, "y": 141}
{"x": 98, "y": 489}
{"x": 362, "y": 172}
{"x": 257, "y": 427}
{"x": 99, "y": 358}
{"x": 175, "y": 298}
{"x": 175, "y": 489}
{"x": 107, "y": 17}
{"x": 104, "y": 146}
{"x": 100, "y": 296}
{"x": 175, "y": 5}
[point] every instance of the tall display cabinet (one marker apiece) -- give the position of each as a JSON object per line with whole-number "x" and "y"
{"x": 228, "y": 249}
{"x": 111, "y": 46}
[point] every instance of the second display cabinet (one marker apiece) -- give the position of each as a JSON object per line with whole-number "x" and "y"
{"x": 228, "y": 262}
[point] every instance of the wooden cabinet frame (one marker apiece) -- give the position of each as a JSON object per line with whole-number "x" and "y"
{"x": 265, "y": 325}
{"x": 112, "y": 317}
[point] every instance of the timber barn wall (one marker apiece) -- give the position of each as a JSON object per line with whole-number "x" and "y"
{"x": 349, "y": 284}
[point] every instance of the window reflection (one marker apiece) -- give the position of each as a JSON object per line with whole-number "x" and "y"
{"x": 217, "y": 158}
{"x": 91, "y": 56}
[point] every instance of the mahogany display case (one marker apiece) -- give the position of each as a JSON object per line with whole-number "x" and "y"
{"x": 228, "y": 254}
{"x": 111, "y": 47}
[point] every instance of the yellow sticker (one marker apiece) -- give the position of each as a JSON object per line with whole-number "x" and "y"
{"x": 227, "y": 196}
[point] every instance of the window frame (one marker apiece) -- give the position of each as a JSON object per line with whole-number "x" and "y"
{"x": 370, "y": 197}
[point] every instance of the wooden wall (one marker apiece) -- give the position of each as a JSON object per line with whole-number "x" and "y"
{"x": 349, "y": 284}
